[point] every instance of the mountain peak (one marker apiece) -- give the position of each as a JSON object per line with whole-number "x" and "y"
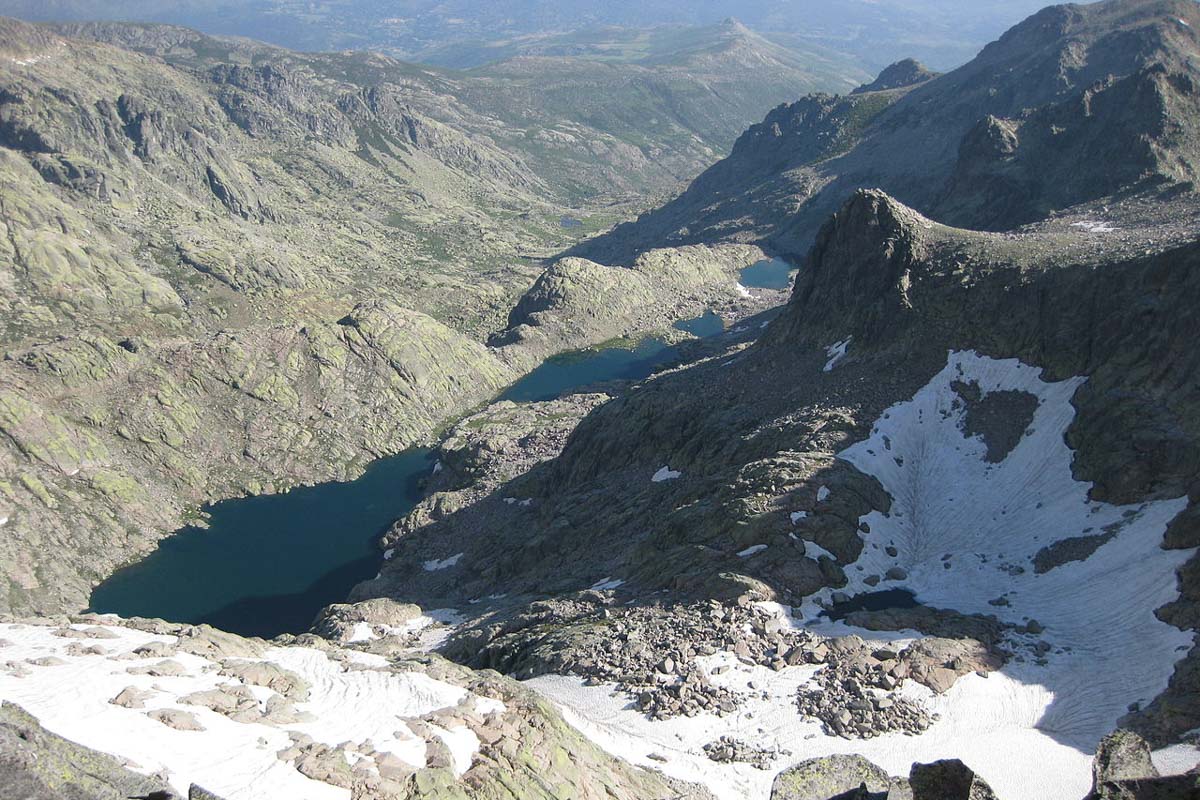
{"x": 733, "y": 25}
{"x": 859, "y": 269}
{"x": 902, "y": 74}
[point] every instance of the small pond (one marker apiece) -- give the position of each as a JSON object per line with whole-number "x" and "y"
{"x": 772, "y": 273}
{"x": 884, "y": 600}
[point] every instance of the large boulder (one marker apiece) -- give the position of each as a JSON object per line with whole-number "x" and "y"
{"x": 1123, "y": 770}
{"x": 1122, "y": 755}
{"x": 838, "y": 776}
{"x": 947, "y": 780}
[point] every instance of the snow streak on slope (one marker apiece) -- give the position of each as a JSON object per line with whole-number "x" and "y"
{"x": 1029, "y": 729}
{"x": 365, "y": 702}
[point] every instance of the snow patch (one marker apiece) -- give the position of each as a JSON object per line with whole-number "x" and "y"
{"x": 605, "y": 584}
{"x": 1176, "y": 759}
{"x": 435, "y": 565}
{"x": 799, "y": 515}
{"x": 836, "y": 352}
{"x": 815, "y": 551}
{"x": 823, "y": 494}
{"x": 389, "y": 554}
{"x": 1094, "y": 226}
{"x": 362, "y": 633}
{"x": 750, "y": 551}
{"x": 666, "y": 474}
{"x": 742, "y": 291}
{"x": 463, "y": 745}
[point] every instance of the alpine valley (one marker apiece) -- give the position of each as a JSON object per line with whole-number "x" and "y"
{"x": 743, "y": 442}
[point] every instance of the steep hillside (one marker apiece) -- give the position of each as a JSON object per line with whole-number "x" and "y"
{"x": 1075, "y": 104}
{"x": 943, "y": 508}
{"x": 1028, "y": 494}
{"x": 230, "y": 268}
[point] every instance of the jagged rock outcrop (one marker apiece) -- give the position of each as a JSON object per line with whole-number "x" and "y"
{"x": 1123, "y": 770}
{"x": 752, "y": 503}
{"x": 947, "y": 780}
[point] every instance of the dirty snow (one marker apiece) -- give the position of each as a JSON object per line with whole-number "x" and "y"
{"x": 666, "y": 474}
{"x": 1029, "y": 730}
{"x": 236, "y": 760}
{"x": 435, "y": 565}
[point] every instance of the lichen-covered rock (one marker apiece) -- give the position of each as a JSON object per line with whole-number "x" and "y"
{"x": 1122, "y": 755}
{"x": 829, "y": 777}
{"x": 40, "y": 765}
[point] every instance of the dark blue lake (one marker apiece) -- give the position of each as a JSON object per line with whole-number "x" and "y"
{"x": 773, "y": 273}
{"x": 266, "y": 565}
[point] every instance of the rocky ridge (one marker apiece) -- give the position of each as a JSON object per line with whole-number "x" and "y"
{"x": 1075, "y": 104}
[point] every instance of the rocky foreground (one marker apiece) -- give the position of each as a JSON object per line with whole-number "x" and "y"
{"x": 103, "y": 708}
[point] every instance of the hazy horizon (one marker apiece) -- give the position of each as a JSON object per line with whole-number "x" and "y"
{"x": 464, "y": 33}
